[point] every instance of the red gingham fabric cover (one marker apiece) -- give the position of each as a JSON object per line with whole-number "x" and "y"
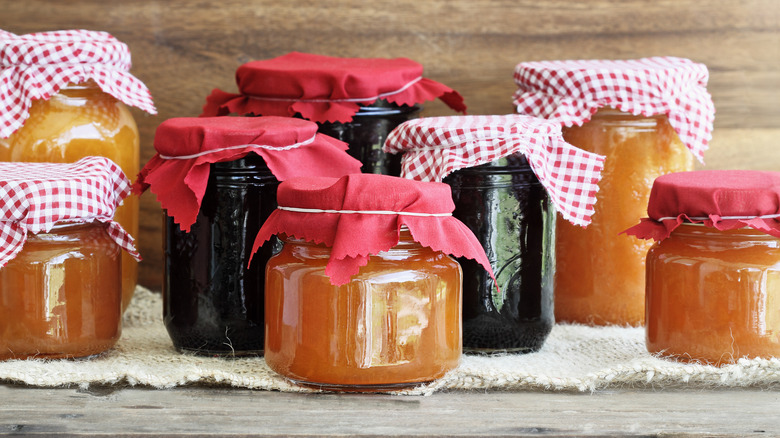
{"x": 325, "y": 88}
{"x": 436, "y": 146}
{"x": 186, "y": 146}
{"x": 352, "y": 237}
{"x": 35, "y": 196}
{"x": 571, "y": 91}
{"x": 38, "y": 65}
{"x": 720, "y": 199}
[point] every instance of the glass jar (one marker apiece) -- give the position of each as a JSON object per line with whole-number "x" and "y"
{"x": 508, "y": 209}
{"x": 212, "y": 303}
{"x": 396, "y": 324}
{"x": 600, "y": 275}
{"x": 714, "y": 296}
{"x": 60, "y": 297}
{"x": 79, "y": 121}
{"x": 367, "y": 132}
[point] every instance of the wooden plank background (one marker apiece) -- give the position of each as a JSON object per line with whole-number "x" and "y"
{"x": 182, "y": 49}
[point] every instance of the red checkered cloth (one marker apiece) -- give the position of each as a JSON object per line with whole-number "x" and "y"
{"x": 436, "y": 146}
{"x": 35, "y": 196}
{"x": 38, "y": 65}
{"x": 571, "y": 91}
{"x": 326, "y": 88}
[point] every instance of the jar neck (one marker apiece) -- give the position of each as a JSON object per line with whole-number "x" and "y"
{"x": 406, "y": 244}
{"x": 611, "y": 114}
{"x": 727, "y": 238}
{"x": 383, "y": 108}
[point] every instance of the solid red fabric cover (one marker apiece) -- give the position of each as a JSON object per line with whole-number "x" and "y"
{"x": 362, "y": 214}
{"x": 722, "y": 199}
{"x": 186, "y": 147}
{"x": 325, "y": 88}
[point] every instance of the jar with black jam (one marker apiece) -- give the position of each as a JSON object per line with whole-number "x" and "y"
{"x": 509, "y": 211}
{"x": 367, "y": 132}
{"x": 213, "y": 303}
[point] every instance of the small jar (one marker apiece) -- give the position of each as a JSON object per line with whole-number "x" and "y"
{"x": 509, "y": 211}
{"x": 395, "y": 324}
{"x": 60, "y": 297}
{"x": 714, "y": 296}
{"x": 213, "y": 303}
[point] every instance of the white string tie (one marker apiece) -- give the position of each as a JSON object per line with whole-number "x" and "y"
{"x": 358, "y": 99}
{"x": 767, "y": 216}
{"x": 259, "y": 146}
{"x": 385, "y": 212}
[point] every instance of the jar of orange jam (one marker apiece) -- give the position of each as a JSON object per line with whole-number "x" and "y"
{"x": 76, "y": 112}
{"x": 713, "y": 276}
{"x": 646, "y": 116}
{"x": 363, "y": 296}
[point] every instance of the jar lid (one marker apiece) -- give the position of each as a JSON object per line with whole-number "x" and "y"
{"x": 362, "y": 214}
{"x": 434, "y": 147}
{"x": 721, "y": 199}
{"x": 186, "y": 146}
{"x": 572, "y": 91}
{"x": 38, "y": 65}
{"x": 325, "y": 88}
{"x": 35, "y": 196}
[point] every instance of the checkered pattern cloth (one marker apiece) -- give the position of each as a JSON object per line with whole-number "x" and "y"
{"x": 38, "y": 65}
{"x": 436, "y": 146}
{"x": 571, "y": 91}
{"x": 35, "y": 196}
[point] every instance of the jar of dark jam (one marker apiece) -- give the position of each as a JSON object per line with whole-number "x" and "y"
{"x": 213, "y": 304}
{"x": 509, "y": 211}
{"x": 367, "y": 132}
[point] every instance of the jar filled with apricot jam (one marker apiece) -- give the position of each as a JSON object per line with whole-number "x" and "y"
{"x": 713, "y": 275}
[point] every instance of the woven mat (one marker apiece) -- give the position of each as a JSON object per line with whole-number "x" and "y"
{"x": 574, "y": 358}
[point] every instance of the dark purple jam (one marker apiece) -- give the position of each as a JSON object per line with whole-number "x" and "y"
{"x": 366, "y": 134}
{"x": 212, "y": 304}
{"x": 508, "y": 209}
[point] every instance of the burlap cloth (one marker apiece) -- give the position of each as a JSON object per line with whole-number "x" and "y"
{"x": 574, "y": 358}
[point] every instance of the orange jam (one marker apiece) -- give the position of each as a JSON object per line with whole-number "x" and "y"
{"x": 60, "y": 297}
{"x": 600, "y": 275}
{"x": 714, "y": 296}
{"x": 397, "y": 323}
{"x": 80, "y": 121}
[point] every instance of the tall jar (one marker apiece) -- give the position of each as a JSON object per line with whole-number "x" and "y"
{"x": 649, "y": 117}
{"x": 212, "y": 303}
{"x": 509, "y": 211}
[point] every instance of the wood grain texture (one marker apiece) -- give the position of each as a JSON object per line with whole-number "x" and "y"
{"x": 183, "y": 49}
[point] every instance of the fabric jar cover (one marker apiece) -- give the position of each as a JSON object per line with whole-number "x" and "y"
{"x": 362, "y": 214}
{"x": 436, "y": 146}
{"x": 38, "y": 65}
{"x": 572, "y": 91}
{"x": 179, "y": 172}
{"x": 326, "y": 89}
{"x": 720, "y": 199}
{"x": 36, "y": 196}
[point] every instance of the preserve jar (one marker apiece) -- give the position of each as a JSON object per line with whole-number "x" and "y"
{"x": 85, "y": 115}
{"x": 498, "y": 195}
{"x": 60, "y": 267}
{"x": 212, "y": 302}
{"x": 713, "y": 276}
{"x": 645, "y": 118}
{"x": 363, "y": 295}
{"x": 356, "y": 100}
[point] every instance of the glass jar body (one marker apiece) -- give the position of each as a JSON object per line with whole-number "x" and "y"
{"x": 714, "y": 296}
{"x": 80, "y": 121}
{"x": 508, "y": 209}
{"x": 60, "y": 297}
{"x": 395, "y": 324}
{"x": 367, "y": 132}
{"x": 600, "y": 274}
{"x": 213, "y": 303}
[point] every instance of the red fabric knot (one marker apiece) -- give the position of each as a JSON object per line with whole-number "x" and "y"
{"x": 362, "y": 214}
{"x": 179, "y": 172}
{"x": 35, "y": 196}
{"x": 721, "y": 199}
{"x": 38, "y": 65}
{"x": 572, "y": 91}
{"x": 434, "y": 147}
{"x": 326, "y": 89}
